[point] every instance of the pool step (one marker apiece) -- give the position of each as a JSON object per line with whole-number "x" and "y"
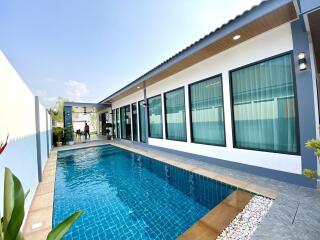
{"x": 215, "y": 221}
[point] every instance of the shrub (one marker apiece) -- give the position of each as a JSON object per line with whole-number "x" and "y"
{"x": 57, "y": 134}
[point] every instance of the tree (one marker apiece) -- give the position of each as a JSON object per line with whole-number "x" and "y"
{"x": 59, "y": 107}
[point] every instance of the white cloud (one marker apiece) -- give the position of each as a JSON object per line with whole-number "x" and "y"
{"x": 75, "y": 90}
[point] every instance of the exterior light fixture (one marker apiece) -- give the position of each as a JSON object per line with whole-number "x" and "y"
{"x": 302, "y": 61}
{"x": 236, "y": 37}
{"x": 138, "y": 87}
{"x": 144, "y": 104}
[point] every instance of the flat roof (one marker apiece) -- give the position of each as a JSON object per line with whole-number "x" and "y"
{"x": 260, "y": 18}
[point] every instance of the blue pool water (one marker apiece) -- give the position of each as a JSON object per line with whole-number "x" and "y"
{"x": 128, "y": 196}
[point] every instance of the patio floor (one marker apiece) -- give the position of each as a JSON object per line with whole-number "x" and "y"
{"x": 295, "y": 213}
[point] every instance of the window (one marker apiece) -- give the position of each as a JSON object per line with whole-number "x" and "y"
{"x": 142, "y": 122}
{"x": 206, "y": 107}
{"x": 125, "y": 122}
{"x": 114, "y": 121}
{"x": 134, "y": 122}
{"x": 175, "y": 115}
{"x": 155, "y": 117}
{"x": 264, "y": 112}
{"x": 118, "y": 122}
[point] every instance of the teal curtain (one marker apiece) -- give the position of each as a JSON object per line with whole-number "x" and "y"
{"x": 123, "y": 122}
{"x": 142, "y": 122}
{"x": 134, "y": 122}
{"x": 207, "y": 120}
{"x": 155, "y": 117}
{"x": 175, "y": 115}
{"x": 264, "y": 106}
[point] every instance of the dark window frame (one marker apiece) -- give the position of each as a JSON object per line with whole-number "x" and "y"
{"x": 223, "y": 110}
{"x": 139, "y": 109}
{"x": 149, "y": 133}
{"x": 165, "y": 114}
{"x": 297, "y": 128}
{"x": 132, "y": 127}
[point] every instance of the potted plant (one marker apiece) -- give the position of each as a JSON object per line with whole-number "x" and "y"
{"x": 108, "y": 126}
{"x": 57, "y": 136}
{"x": 68, "y": 131}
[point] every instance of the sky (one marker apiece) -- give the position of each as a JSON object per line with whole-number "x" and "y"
{"x": 85, "y": 50}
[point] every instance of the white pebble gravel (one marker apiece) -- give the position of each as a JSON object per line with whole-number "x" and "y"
{"x": 246, "y": 222}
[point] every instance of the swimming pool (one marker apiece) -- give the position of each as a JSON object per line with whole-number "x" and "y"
{"x": 125, "y": 195}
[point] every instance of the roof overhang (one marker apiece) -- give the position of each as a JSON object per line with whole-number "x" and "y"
{"x": 97, "y": 106}
{"x": 261, "y": 18}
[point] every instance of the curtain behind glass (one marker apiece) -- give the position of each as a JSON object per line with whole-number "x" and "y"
{"x": 175, "y": 115}
{"x": 142, "y": 122}
{"x": 118, "y": 122}
{"x": 264, "y": 106}
{"x": 207, "y": 120}
{"x": 114, "y": 120}
{"x": 128, "y": 122}
{"x": 155, "y": 117}
{"x": 123, "y": 122}
{"x": 134, "y": 121}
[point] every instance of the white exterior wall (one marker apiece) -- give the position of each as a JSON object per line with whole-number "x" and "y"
{"x": 17, "y": 110}
{"x": 266, "y": 45}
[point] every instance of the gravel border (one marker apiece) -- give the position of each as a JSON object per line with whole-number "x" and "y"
{"x": 246, "y": 222}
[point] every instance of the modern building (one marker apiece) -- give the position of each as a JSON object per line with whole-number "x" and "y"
{"x": 244, "y": 96}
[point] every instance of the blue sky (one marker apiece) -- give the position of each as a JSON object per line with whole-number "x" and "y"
{"x": 85, "y": 50}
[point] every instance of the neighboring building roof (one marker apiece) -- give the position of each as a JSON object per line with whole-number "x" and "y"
{"x": 264, "y": 8}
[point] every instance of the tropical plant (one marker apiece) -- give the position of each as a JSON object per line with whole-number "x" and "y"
{"x": 13, "y": 210}
{"x": 313, "y": 144}
{"x": 68, "y": 132}
{"x": 57, "y": 134}
{"x": 3, "y": 145}
{"x": 58, "y": 117}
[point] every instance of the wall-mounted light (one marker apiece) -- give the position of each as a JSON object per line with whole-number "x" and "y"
{"x": 138, "y": 87}
{"x": 302, "y": 61}
{"x": 236, "y": 37}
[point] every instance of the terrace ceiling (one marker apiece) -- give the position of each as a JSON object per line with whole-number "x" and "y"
{"x": 182, "y": 60}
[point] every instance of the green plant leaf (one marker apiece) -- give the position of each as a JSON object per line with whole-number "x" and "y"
{"x": 17, "y": 216}
{"x": 26, "y": 193}
{"x": 20, "y": 236}
{"x": 62, "y": 228}
{"x": 8, "y": 202}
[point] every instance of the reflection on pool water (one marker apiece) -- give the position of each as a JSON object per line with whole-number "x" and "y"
{"x": 128, "y": 196}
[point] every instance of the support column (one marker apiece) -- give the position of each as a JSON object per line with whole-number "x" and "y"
{"x": 305, "y": 94}
{"x": 67, "y": 114}
{"x": 38, "y": 139}
{"x": 47, "y": 134}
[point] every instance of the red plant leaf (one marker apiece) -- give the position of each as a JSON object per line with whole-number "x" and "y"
{"x": 2, "y": 147}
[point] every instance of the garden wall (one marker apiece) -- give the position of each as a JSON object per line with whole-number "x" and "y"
{"x": 20, "y": 111}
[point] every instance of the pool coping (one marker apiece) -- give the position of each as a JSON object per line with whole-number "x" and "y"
{"x": 39, "y": 218}
{"x": 239, "y": 184}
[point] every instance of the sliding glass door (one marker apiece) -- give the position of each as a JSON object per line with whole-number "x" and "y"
{"x": 114, "y": 122}
{"x": 134, "y": 122}
{"x": 264, "y": 111}
{"x": 142, "y": 121}
{"x": 125, "y": 122}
